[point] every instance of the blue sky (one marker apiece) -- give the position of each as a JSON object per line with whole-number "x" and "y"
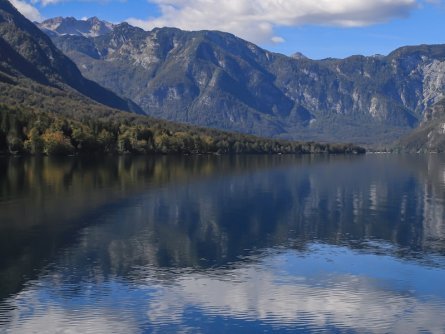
{"x": 318, "y": 29}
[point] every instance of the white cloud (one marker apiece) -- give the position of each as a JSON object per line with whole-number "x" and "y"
{"x": 53, "y": 2}
{"x": 255, "y": 20}
{"x": 47, "y": 2}
{"x": 277, "y": 39}
{"x": 29, "y": 11}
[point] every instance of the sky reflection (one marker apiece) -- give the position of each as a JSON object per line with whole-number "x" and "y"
{"x": 243, "y": 245}
{"x": 329, "y": 286}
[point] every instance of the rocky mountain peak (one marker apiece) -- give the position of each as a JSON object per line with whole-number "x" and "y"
{"x": 298, "y": 55}
{"x": 125, "y": 28}
{"x": 94, "y": 19}
{"x": 216, "y": 79}
{"x": 91, "y": 27}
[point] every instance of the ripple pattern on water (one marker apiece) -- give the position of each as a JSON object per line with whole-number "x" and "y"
{"x": 282, "y": 291}
{"x": 223, "y": 245}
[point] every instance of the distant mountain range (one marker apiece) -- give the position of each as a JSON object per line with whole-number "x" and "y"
{"x": 215, "y": 79}
{"x": 91, "y": 27}
{"x": 48, "y": 107}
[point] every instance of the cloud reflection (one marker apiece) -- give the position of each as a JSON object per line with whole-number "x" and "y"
{"x": 266, "y": 290}
{"x": 66, "y": 321}
{"x": 186, "y": 251}
{"x": 345, "y": 301}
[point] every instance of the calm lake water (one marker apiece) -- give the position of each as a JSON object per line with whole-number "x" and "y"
{"x": 223, "y": 244}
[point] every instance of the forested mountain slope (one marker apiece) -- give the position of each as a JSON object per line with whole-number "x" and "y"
{"x": 217, "y": 80}
{"x": 34, "y": 71}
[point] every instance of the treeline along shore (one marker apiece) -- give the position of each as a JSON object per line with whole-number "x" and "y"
{"x": 26, "y": 131}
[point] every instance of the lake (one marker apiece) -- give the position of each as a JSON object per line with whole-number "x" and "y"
{"x": 218, "y": 244}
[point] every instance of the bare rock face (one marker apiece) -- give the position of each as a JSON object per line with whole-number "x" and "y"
{"x": 91, "y": 27}
{"x": 298, "y": 55}
{"x": 217, "y": 80}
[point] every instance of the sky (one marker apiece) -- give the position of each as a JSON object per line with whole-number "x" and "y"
{"x": 317, "y": 28}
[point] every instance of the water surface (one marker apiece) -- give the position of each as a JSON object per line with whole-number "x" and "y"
{"x": 243, "y": 244}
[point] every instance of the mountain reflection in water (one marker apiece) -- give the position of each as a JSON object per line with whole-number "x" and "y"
{"x": 223, "y": 244}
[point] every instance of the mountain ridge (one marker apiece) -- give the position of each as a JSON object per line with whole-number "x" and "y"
{"x": 91, "y": 27}
{"x": 216, "y": 79}
{"x": 27, "y": 53}
{"x": 44, "y": 109}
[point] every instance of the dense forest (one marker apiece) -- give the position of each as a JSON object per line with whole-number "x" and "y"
{"x": 27, "y": 131}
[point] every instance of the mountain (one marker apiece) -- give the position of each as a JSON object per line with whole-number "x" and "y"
{"x": 430, "y": 135}
{"x": 48, "y": 107}
{"x": 32, "y": 69}
{"x": 215, "y": 79}
{"x": 91, "y": 27}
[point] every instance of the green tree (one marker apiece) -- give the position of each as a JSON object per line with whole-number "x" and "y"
{"x": 106, "y": 141}
{"x": 35, "y": 144}
{"x": 55, "y": 143}
{"x": 15, "y": 145}
{"x": 83, "y": 140}
{"x": 124, "y": 142}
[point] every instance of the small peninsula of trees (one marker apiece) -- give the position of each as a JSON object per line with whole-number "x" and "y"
{"x": 26, "y": 131}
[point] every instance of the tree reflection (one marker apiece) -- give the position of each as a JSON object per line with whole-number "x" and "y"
{"x": 115, "y": 215}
